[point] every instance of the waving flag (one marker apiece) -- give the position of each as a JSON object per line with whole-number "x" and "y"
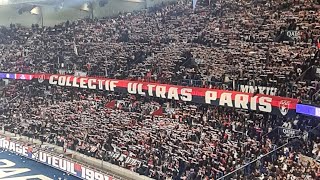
{"x": 158, "y": 112}
{"x": 75, "y": 48}
{"x": 110, "y": 104}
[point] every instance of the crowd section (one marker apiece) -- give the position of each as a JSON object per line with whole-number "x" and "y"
{"x": 217, "y": 45}
{"x": 184, "y": 141}
{"x": 220, "y": 45}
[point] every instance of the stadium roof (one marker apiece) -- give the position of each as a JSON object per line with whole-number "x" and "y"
{"x": 57, "y": 11}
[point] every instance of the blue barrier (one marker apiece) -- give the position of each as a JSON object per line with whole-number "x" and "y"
{"x": 308, "y": 110}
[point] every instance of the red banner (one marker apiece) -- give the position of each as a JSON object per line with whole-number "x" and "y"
{"x": 260, "y": 102}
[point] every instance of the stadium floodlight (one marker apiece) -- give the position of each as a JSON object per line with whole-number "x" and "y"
{"x": 4, "y": 2}
{"x": 86, "y": 7}
{"x": 37, "y": 11}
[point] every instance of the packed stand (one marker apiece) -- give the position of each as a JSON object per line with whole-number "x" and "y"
{"x": 213, "y": 46}
{"x": 241, "y": 41}
{"x": 185, "y": 141}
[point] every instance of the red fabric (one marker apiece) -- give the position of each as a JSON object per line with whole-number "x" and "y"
{"x": 110, "y": 104}
{"x": 318, "y": 45}
{"x": 88, "y": 66}
{"x": 77, "y": 167}
{"x": 158, "y": 112}
{"x": 148, "y": 74}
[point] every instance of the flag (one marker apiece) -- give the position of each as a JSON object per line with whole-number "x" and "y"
{"x": 110, "y": 104}
{"x": 10, "y": 76}
{"x": 158, "y": 112}
{"x": 85, "y": 7}
{"x": 23, "y": 76}
{"x": 75, "y": 48}
{"x": 194, "y": 2}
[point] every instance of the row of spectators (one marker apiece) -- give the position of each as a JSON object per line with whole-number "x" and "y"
{"x": 183, "y": 141}
{"x": 221, "y": 46}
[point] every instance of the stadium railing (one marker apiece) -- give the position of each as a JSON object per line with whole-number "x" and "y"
{"x": 98, "y": 165}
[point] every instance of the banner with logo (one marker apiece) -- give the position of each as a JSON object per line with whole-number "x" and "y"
{"x": 260, "y": 89}
{"x": 62, "y": 164}
{"x": 124, "y": 158}
{"x": 289, "y": 35}
{"x": 293, "y": 34}
{"x": 260, "y": 102}
{"x": 288, "y": 132}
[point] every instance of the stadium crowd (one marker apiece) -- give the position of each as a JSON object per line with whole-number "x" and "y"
{"x": 244, "y": 42}
{"x": 219, "y": 45}
{"x": 181, "y": 141}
